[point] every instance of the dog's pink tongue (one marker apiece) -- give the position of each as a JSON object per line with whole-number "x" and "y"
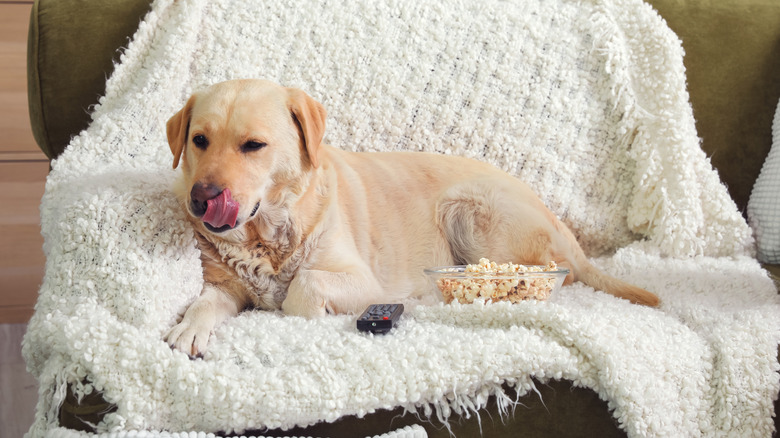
{"x": 221, "y": 210}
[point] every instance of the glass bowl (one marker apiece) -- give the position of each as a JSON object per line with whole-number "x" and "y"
{"x": 533, "y": 282}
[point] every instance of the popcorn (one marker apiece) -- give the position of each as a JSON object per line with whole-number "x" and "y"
{"x": 495, "y": 282}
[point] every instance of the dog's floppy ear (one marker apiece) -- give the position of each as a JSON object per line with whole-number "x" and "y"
{"x": 310, "y": 116}
{"x": 177, "y": 129}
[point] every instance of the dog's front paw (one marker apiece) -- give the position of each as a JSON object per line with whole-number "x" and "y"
{"x": 190, "y": 336}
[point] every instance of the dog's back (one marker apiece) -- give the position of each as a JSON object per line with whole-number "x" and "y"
{"x": 423, "y": 210}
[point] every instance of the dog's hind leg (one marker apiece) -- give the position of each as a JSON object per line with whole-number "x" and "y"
{"x": 480, "y": 219}
{"x": 503, "y": 220}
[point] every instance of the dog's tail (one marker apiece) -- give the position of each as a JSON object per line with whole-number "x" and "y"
{"x": 593, "y": 277}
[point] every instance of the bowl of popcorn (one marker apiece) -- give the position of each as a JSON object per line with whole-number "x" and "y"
{"x": 491, "y": 281}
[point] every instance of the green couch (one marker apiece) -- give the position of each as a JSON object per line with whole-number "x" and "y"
{"x": 733, "y": 64}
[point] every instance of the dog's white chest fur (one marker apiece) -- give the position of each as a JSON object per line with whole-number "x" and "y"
{"x": 265, "y": 270}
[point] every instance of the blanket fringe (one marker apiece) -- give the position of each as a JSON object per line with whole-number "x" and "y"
{"x": 467, "y": 406}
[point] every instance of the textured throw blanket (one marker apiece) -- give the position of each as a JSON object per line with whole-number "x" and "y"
{"x": 584, "y": 100}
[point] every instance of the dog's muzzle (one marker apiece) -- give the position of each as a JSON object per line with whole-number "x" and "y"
{"x": 216, "y": 207}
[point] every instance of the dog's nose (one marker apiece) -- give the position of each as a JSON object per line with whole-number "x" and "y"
{"x": 201, "y": 193}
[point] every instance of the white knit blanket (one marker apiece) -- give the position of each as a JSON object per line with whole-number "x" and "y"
{"x": 584, "y": 100}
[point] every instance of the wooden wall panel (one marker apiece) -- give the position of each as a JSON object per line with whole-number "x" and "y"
{"x": 14, "y": 118}
{"x": 21, "y": 244}
{"x": 23, "y": 169}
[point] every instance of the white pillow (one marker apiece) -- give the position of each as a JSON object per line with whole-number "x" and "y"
{"x": 764, "y": 204}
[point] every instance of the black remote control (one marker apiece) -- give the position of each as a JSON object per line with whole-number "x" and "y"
{"x": 380, "y": 318}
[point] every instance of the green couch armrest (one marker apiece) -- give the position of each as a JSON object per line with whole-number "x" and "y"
{"x": 71, "y": 50}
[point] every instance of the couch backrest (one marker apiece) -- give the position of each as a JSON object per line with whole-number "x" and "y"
{"x": 732, "y": 60}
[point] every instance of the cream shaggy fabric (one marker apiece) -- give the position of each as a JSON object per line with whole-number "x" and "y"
{"x": 584, "y": 100}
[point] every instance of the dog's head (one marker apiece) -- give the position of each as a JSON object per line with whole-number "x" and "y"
{"x": 243, "y": 142}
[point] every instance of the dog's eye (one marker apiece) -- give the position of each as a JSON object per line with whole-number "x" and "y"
{"x": 252, "y": 146}
{"x": 200, "y": 141}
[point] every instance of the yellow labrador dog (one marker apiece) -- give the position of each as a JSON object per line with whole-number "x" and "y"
{"x": 286, "y": 222}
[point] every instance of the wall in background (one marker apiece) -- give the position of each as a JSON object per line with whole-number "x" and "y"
{"x": 23, "y": 169}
